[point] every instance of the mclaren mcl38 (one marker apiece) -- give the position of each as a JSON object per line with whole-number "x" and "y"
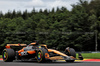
{"x": 38, "y": 52}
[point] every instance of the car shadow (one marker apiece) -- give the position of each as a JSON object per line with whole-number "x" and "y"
{"x": 53, "y": 62}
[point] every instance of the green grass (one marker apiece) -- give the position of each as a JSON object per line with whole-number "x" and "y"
{"x": 90, "y": 55}
{"x": 0, "y": 56}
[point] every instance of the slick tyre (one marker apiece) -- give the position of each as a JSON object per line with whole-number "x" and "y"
{"x": 40, "y": 55}
{"x": 71, "y": 53}
{"x": 8, "y": 55}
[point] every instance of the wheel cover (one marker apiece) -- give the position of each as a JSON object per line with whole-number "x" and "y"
{"x": 5, "y": 55}
{"x": 39, "y": 56}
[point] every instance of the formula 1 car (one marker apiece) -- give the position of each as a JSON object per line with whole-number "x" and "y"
{"x": 38, "y": 52}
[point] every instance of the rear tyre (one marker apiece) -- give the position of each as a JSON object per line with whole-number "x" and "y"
{"x": 40, "y": 55}
{"x": 71, "y": 53}
{"x": 8, "y": 55}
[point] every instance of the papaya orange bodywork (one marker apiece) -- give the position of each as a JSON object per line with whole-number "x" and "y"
{"x": 16, "y": 44}
{"x": 56, "y": 58}
{"x": 44, "y": 45}
{"x": 20, "y": 54}
{"x": 47, "y": 55}
{"x": 20, "y": 51}
{"x": 57, "y": 52}
{"x": 8, "y": 47}
{"x": 31, "y": 52}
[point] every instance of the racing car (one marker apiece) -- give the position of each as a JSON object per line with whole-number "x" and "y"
{"x": 38, "y": 52}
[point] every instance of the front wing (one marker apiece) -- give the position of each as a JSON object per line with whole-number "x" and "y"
{"x": 62, "y": 56}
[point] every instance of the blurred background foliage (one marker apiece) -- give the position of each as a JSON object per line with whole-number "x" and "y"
{"x": 60, "y": 28}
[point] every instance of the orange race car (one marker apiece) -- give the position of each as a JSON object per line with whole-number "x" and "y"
{"x": 38, "y": 52}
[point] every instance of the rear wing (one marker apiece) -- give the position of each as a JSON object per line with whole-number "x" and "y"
{"x": 15, "y": 46}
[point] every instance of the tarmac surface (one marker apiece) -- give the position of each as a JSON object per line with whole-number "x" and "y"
{"x": 56, "y": 63}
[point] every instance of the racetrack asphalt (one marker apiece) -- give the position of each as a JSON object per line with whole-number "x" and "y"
{"x": 56, "y": 63}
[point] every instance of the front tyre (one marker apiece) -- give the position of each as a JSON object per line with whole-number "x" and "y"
{"x": 71, "y": 52}
{"x": 8, "y": 55}
{"x": 41, "y": 55}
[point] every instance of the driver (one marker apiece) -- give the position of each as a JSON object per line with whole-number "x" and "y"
{"x": 35, "y": 43}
